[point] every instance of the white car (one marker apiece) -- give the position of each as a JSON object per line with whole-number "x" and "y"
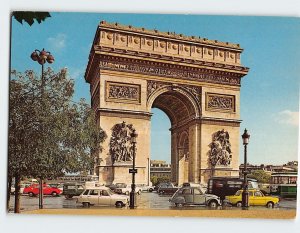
{"x": 145, "y": 188}
{"x": 22, "y": 186}
{"x": 102, "y": 196}
{"x": 126, "y": 189}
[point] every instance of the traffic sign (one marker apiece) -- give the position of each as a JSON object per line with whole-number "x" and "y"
{"x": 132, "y": 170}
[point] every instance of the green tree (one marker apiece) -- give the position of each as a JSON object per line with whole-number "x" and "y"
{"x": 30, "y": 16}
{"x": 49, "y": 134}
{"x": 261, "y": 176}
{"x": 154, "y": 181}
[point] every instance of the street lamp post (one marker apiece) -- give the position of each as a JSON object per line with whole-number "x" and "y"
{"x": 245, "y": 194}
{"x": 132, "y": 193}
{"x": 42, "y": 57}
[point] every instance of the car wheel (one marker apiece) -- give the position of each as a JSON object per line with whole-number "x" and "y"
{"x": 68, "y": 196}
{"x": 161, "y": 192}
{"x": 213, "y": 204}
{"x": 86, "y": 204}
{"x": 30, "y": 194}
{"x": 54, "y": 194}
{"x": 270, "y": 204}
{"x": 239, "y": 204}
{"x": 119, "y": 204}
{"x": 150, "y": 190}
{"x": 178, "y": 205}
{"x": 127, "y": 192}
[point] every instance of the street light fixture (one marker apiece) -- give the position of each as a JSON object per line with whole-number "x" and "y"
{"x": 42, "y": 57}
{"x": 132, "y": 193}
{"x": 245, "y": 194}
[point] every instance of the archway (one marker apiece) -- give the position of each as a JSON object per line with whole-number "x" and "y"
{"x": 182, "y": 109}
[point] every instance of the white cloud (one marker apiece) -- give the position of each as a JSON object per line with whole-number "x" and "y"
{"x": 287, "y": 117}
{"x": 58, "y": 42}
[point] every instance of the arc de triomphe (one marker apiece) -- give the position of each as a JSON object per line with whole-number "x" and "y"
{"x": 195, "y": 81}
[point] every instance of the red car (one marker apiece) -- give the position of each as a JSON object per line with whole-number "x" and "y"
{"x": 33, "y": 190}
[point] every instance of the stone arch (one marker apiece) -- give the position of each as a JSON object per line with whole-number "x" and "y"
{"x": 183, "y": 95}
{"x": 183, "y": 145}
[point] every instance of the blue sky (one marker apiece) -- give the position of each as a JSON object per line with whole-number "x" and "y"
{"x": 269, "y": 93}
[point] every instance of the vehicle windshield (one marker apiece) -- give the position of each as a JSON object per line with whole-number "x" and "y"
{"x": 238, "y": 193}
{"x": 109, "y": 191}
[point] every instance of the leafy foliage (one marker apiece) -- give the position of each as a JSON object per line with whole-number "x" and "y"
{"x": 261, "y": 176}
{"x": 156, "y": 180}
{"x": 48, "y": 133}
{"x": 30, "y": 16}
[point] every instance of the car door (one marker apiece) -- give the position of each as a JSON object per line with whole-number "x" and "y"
{"x": 84, "y": 196}
{"x": 104, "y": 198}
{"x": 93, "y": 197}
{"x": 259, "y": 198}
{"x": 47, "y": 190}
{"x": 251, "y": 198}
{"x": 188, "y": 196}
{"x": 199, "y": 197}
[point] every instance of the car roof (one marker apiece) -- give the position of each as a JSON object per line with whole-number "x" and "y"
{"x": 99, "y": 187}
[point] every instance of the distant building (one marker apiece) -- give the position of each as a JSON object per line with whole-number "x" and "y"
{"x": 289, "y": 167}
{"x": 160, "y": 168}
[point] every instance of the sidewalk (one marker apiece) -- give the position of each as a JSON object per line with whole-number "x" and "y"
{"x": 266, "y": 214}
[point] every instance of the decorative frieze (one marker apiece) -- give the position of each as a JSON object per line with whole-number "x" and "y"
{"x": 176, "y": 72}
{"x": 123, "y": 92}
{"x": 219, "y": 102}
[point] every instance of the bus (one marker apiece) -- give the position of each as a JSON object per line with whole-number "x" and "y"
{"x": 284, "y": 184}
{"x": 226, "y": 186}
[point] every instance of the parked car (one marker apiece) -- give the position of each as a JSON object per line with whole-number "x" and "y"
{"x": 117, "y": 185}
{"x": 194, "y": 196}
{"x": 57, "y": 185}
{"x": 190, "y": 184}
{"x": 127, "y": 189}
{"x": 33, "y": 190}
{"x": 72, "y": 189}
{"x": 22, "y": 186}
{"x": 167, "y": 188}
{"x": 102, "y": 196}
{"x": 256, "y": 198}
{"x": 145, "y": 188}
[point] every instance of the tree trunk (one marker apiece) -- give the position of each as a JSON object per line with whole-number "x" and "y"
{"x": 9, "y": 183}
{"x": 17, "y": 193}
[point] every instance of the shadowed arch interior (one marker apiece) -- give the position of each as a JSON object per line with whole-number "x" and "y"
{"x": 176, "y": 106}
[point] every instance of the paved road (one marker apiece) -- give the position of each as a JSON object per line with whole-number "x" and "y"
{"x": 144, "y": 201}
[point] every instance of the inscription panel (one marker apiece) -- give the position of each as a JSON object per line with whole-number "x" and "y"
{"x": 123, "y": 92}
{"x": 219, "y": 102}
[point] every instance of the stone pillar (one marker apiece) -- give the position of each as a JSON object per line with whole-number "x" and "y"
{"x": 194, "y": 153}
{"x": 174, "y": 158}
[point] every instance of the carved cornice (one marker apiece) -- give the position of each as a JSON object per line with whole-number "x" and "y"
{"x": 220, "y": 121}
{"x": 170, "y": 58}
{"x": 123, "y": 113}
{"x": 168, "y": 35}
{"x": 169, "y": 70}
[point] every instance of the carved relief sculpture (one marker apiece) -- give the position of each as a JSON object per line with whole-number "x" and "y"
{"x": 121, "y": 148}
{"x": 220, "y": 102}
{"x": 122, "y": 92}
{"x": 220, "y": 149}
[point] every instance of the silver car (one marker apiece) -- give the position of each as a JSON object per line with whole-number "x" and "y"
{"x": 194, "y": 196}
{"x": 102, "y": 196}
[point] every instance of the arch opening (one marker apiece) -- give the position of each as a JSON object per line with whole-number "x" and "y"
{"x": 180, "y": 110}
